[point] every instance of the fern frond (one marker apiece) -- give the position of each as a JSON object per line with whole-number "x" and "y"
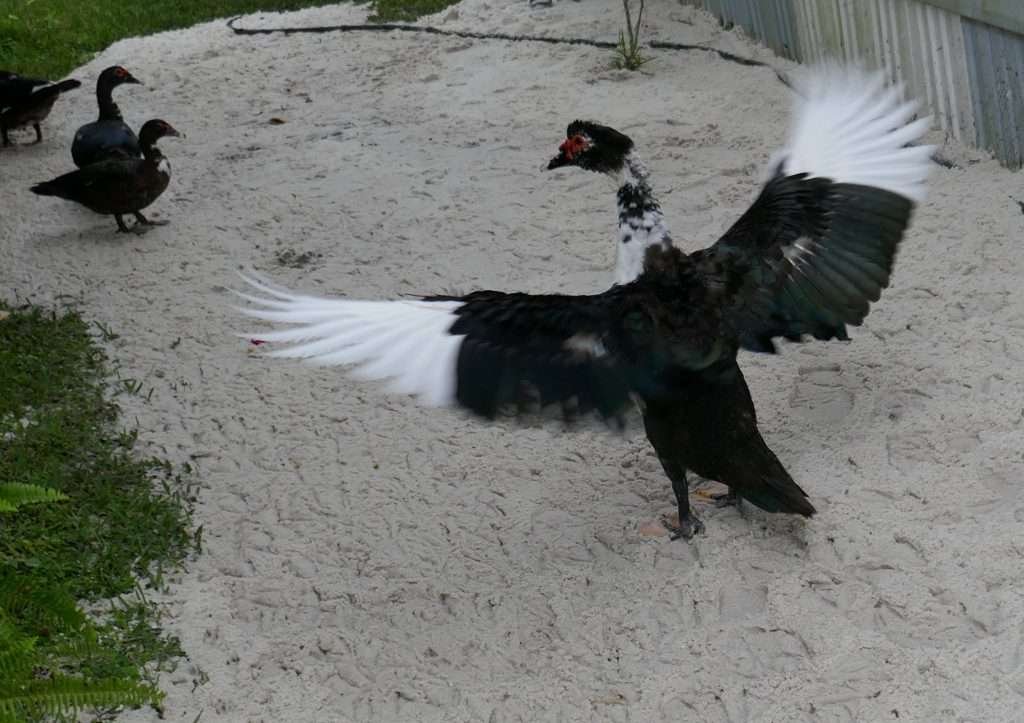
{"x": 9, "y": 632}
{"x": 79, "y": 646}
{"x": 44, "y": 604}
{"x": 68, "y": 695}
{"x": 16, "y": 494}
{"x": 18, "y": 658}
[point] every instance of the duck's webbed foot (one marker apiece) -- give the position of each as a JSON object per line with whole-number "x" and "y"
{"x": 688, "y": 526}
{"x": 143, "y": 221}
{"x": 721, "y": 499}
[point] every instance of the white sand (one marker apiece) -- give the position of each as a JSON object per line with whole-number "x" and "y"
{"x": 367, "y": 560}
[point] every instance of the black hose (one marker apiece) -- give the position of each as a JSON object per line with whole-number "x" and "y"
{"x": 430, "y": 30}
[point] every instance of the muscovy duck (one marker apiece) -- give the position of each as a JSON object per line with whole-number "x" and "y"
{"x": 33, "y": 109}
{"x": 109, "y": 136}
{"x": 811, "y": 253}
{"x": 120, "y": 185}
{"x": 15, "y": 88}
{"x": 641, "y": 222}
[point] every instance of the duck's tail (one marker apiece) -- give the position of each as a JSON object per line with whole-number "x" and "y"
{"x": 52, "y": 91}
{"x": 56, "y": 187}
{"x": 773, "y": 490}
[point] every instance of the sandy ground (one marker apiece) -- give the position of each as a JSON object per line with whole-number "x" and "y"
{"x": 367, "y": 560}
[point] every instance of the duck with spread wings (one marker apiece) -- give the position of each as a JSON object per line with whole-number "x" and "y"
{"x": 808, "y": 257}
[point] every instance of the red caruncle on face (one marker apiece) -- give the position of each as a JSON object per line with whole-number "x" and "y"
{"x": 572, "y": 147}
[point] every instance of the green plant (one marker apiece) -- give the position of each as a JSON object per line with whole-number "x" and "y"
{"x": 391, "y": 10}
{"x": 627, "y": 52}
{"x": 124, "y": 523}
{"x": 44, "y": 680}
{"x": 15, "y": 494}
{"x": 50, "y": 38}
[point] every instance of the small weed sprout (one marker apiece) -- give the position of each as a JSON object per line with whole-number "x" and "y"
{"x": 627, "y": 53}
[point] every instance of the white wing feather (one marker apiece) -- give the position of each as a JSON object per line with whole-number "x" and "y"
{"x": 405, "y": 341}
{"x": 848, "y": 127}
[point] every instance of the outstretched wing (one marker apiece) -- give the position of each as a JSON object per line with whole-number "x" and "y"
{"x": 488, "y": 352}
{"x": 818, "y": 245}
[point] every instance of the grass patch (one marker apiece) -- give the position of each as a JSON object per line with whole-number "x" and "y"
{"x": 387, "y": 11}
{"x": 49, "y": 38}
{"x": 126, "y": 522}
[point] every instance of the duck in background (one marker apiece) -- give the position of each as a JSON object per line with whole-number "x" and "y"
{"x": 24, "y": 108}
{"x": 108, "y": 136}
{"x": 120, "y": 185}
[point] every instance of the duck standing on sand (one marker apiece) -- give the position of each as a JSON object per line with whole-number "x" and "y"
{"x": 108, "y": 136}
{"x": 32, "y": 108}
{"x": 808, "y": 257}
{"x": 120, "y": 185}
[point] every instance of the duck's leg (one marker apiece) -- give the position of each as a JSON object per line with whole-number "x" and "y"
{"x": 689, "y": 523}
{"x": 121, "y": 227}
{"x": 39, "y": 133}
{"x": 3, "y": 132}
{"x": 146, "y": 222}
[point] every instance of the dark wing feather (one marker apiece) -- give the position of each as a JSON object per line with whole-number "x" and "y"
{"x": 807, "y": 258}
{"x": 525, "y": 353}
{"x": 15, "y": 88}
{"x": 113, "y": 172}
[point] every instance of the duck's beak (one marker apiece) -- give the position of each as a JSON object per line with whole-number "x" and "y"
{"x": 562, "y": 159}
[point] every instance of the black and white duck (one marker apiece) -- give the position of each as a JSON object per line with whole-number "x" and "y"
{"x": 120, "y": 185}
{"x": 32, "y": 108}
{"x": 808, "y": 257}
{"x": 108, "y": 136}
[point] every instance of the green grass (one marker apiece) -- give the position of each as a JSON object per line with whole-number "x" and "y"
{"x": 127, "y": 521}
{"x": 49, "y": 38}
{"x": 392, "y": 10}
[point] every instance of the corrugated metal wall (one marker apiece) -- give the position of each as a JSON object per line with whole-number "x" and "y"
{"x": 971, "y": 74}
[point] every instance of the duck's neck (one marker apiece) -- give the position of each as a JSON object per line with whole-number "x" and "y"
{"x": 151, "y": 153}
{"x": 641, "y": 222}
{"x": 108, "y": 108}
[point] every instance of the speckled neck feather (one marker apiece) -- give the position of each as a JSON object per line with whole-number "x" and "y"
{"x": 641, "y": 222}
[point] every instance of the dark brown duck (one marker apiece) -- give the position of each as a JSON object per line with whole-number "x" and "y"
{"x": 119, "y": 186}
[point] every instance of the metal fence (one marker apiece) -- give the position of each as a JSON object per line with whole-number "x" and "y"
{"x": 964, "y": 58}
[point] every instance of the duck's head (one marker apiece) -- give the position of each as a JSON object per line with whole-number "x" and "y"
{"x": 115, "y": 75}
{"x": 593, "y": 147}
{"x": 153, "y": 130}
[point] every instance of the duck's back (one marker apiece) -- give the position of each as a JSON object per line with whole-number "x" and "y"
{"x": 102, "y": 140}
